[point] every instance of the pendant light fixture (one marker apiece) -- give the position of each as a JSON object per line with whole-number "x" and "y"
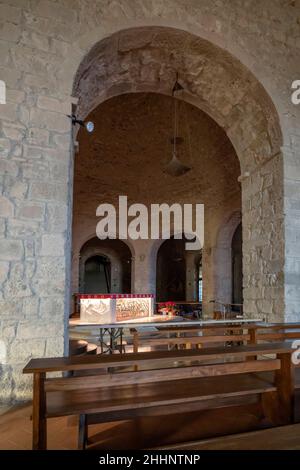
{"x": 175, "y": 167}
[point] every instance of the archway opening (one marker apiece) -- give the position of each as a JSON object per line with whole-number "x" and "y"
{"x": 178, "y": 272}
{"x": 140, "y": 63}
{"x": 122, "y": 164}
{"x": 171, "y": 271}
{"x": 104, "y": 267}
{"x": 97, "y": 274}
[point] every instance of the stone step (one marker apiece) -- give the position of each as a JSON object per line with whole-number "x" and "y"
{"x": 77, "y": 346}
{"x": 91, "y": 349}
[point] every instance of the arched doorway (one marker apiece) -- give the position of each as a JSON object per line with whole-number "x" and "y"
{"x": 178, "y": 272}
{"x": 104, "y": 267}
{"x": 97, "y": 274}
{"x": 249, "y": 119}
{"x": 171, "y": 271}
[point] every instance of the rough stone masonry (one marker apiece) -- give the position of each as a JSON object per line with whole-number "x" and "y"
{"x": 249, "y": 56}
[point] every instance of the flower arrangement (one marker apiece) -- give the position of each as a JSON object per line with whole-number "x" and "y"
{"x": 167, "y": 308}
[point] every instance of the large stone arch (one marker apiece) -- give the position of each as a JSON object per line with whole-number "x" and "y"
{"x": 209, "y": 23}
{"x": 147, "y": 59}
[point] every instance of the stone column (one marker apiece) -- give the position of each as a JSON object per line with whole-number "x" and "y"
{"x": 263, "y": 242}
{"x": 75, "y": 272}
{"x": 144, "y": 270}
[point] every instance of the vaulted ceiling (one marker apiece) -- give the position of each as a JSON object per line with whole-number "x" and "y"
{"x": 131, "y": 145}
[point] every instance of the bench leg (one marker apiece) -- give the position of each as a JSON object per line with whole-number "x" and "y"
{"x": 279, "y": 406}
{"x": 271, "y": 408}
{"x": 285, "y": 382}
{"x": 253, "y": 340}
{"x": 82, "y": 432}
{"x": 39, "y": 424}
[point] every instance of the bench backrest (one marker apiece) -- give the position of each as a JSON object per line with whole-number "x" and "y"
{"x": 193, "y": 336}
{"x": 129, "y": 369}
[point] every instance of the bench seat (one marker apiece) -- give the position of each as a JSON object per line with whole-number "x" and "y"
{"x": 128, "y": 397}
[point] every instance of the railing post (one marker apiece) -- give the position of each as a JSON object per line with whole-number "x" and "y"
{"x": 253, "y": 340}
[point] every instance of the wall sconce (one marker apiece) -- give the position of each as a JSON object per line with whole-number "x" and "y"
{"x": 89, "y": 125}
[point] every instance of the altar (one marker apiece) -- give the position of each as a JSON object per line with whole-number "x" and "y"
{"x": 114, "y": 308}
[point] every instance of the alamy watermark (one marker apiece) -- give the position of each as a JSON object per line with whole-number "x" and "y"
{"x": 295, "y": 97}
{"x": 296, "y": 354}
{"x": 138, "y": 222}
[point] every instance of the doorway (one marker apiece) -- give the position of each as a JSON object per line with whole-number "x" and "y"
{"x": 97, "y": 275}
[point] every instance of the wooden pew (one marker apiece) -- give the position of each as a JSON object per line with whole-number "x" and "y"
{"x": 201, "y": 379}
{"x": 188, "y": 336}
{"x": 278, "y": 332}
{"x": 199, "y": 336}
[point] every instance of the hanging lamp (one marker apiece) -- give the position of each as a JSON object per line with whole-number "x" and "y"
{"x": 175, "y": 167}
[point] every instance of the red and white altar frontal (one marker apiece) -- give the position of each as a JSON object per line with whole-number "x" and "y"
{"x": 113, "y": 308}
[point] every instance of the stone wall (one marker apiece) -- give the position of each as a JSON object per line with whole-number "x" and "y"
{"x": 42, "y": 45}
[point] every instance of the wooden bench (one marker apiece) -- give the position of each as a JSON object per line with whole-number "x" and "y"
{"x": 188, "y": 336}
{"x": 165, "y": 382}
{"x": 199, "y": 336}
{"x": 278, "y": 332}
